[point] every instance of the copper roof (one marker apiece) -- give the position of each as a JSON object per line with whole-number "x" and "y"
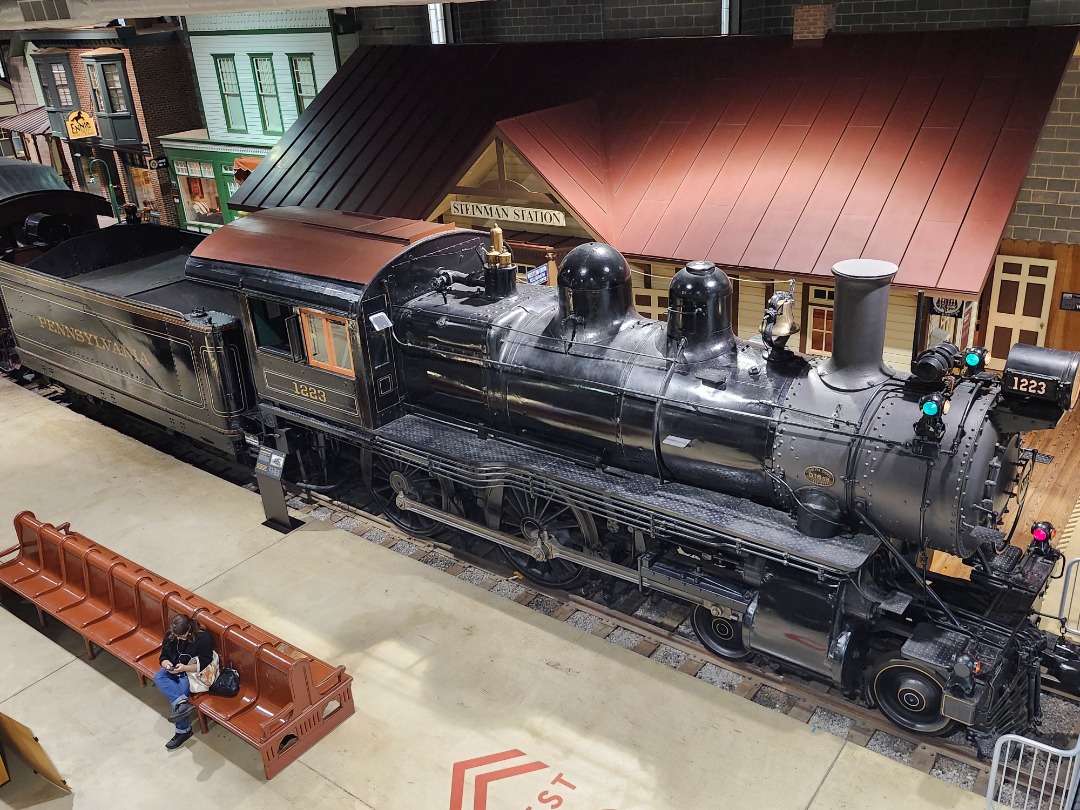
{"x": 328, "y": 244}
{"x": 751, "y": 151}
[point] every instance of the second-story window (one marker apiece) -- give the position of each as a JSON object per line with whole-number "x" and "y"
{"x": 303, "y": 76}
{"x": 60, "y": 81}
{"x": 95, "y": 89}
{"x": 46, "y": 86}
{"x": 231, "y": 100}
{"x": 114, "y": 86}
{"x": 266, "y": 86}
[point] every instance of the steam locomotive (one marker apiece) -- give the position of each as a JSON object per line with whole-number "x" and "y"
{"x": 793, "y": 501}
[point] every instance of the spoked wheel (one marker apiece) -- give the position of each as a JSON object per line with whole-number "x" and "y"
{"x": 390, "y": 476}
{"x": 527, "y": 516}
{"x": 721, "y": 636}
{"x": 910, "y": 696}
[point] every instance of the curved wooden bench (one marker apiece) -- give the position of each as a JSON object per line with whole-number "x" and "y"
{"x": 288, "y": 700}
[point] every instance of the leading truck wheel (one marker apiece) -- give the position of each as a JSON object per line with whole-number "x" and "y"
{"x": 722, "y": 636}
{"x": 910, "y": 696}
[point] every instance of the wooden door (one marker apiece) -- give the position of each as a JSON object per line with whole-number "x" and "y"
{"x": 1019, "y": 305}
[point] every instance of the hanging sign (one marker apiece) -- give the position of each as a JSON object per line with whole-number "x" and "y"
{"x": 509, "y": 213}
{"x": 80, "y": 124}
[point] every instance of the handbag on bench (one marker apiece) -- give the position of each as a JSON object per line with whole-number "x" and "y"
{"x": 227, "y": 683}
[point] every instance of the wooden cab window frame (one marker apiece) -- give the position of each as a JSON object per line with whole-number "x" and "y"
{"x": 328, "y": 341}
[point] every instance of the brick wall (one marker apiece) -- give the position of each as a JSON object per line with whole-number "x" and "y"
{"x": 648, "y": 18}
{"x": 164, "y": 101}
{"x": 529, "y": 21}
{"x": 1048, "y": 208}
{"x": 813, "y": 20}
{"x": 1053, "y": 12}
{"x": 392, "y": 25}
{"x": 771, "y": 17}
{"x": 21, "y": 84}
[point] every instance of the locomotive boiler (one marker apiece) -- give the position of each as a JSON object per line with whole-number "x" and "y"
{"x": 838, "y": 443}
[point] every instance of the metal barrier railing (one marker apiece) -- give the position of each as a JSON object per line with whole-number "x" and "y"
{"x": 1068, "y": 597}
{"x": 1030, "y": 775}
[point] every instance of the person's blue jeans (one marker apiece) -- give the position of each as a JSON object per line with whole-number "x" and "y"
{"x": 175, "y": 688}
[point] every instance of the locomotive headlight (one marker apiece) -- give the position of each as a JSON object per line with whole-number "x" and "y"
{"x": 974, "y": 360}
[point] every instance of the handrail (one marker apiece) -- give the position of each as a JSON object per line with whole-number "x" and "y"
{"x": 1067, "y": 593}
{"x": 1042, "y": 777}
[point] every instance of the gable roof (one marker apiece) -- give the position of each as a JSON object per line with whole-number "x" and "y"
{"x": 750, "y": 151}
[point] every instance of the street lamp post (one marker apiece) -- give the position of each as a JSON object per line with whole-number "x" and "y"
{"x": 108, "y": 183}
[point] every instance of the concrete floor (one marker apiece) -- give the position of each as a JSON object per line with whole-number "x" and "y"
{"x": 444, "y": 671}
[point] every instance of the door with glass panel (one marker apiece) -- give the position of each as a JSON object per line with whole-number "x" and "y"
{"x": 1019, "y": 305}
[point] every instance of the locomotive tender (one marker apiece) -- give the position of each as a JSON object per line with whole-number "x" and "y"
{"x": 792, "y": 500}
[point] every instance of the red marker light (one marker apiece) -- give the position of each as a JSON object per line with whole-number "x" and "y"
{"x": 1042, "y": 531}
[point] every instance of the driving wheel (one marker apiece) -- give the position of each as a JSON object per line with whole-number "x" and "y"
{"x": 529, "y": 516}
{"x": 391, "y": 476}
{"x": 722, "y": 636}
{"x": 910, "y": 696}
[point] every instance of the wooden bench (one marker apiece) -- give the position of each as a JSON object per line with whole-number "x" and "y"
{"x": 288, "y": 700}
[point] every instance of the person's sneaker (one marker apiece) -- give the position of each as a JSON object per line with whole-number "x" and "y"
{"x": 180, "y": 711}
{"x": 178, "y": 740}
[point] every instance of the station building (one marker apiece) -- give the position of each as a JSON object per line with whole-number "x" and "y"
{"x": 773, "y": 157}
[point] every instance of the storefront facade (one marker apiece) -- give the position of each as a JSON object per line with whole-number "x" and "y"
{"x": 109, "y": 94}
{"x": 204, "y": 175}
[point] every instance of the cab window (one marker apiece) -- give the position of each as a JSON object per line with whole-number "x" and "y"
{"x": 327, "y": 341}
{"x": 271, "y": 327}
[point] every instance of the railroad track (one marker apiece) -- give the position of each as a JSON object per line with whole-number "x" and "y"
{"x": 649, "y": 625}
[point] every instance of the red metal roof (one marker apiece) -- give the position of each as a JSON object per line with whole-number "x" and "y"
{"x": 752, "y": 152}
{"x": 329, "y": 244}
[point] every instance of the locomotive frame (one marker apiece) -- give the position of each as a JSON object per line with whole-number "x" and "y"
{"x": 473, "y": 404}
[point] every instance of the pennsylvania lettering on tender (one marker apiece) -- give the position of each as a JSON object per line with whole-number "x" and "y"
{"x": 90, "y": 339}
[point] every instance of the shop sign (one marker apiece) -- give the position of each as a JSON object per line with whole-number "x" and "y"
{"x": 158, "y": 163}
{"x": 80, "y": 124}
{"x": 509, "y": 213}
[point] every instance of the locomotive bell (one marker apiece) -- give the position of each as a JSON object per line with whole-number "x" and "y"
{"x": 699, "y": 314}
{"x": 595, "y": 293}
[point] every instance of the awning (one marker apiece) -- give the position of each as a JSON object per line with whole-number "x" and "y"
{"x": 31, "y": 122}
{"x": 243, "y": 167}
{"x": 247, "y": 163}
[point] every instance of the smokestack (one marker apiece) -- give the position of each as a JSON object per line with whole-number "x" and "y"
{"x": 859, "y": 315}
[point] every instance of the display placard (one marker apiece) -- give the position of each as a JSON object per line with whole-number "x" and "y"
{"x": 270, "y": 463}
{"x": 1070, "y": 301}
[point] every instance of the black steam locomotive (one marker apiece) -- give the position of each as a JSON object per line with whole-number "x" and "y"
{"x": 793, "y": 501}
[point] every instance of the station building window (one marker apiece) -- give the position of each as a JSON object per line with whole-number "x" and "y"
{"x": 198, "y": 192}
{"x": 327, "y": 341}
{"x": 819, "y": 316}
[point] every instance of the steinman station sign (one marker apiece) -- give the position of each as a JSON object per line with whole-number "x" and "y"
{"x": 509, "y": 213}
